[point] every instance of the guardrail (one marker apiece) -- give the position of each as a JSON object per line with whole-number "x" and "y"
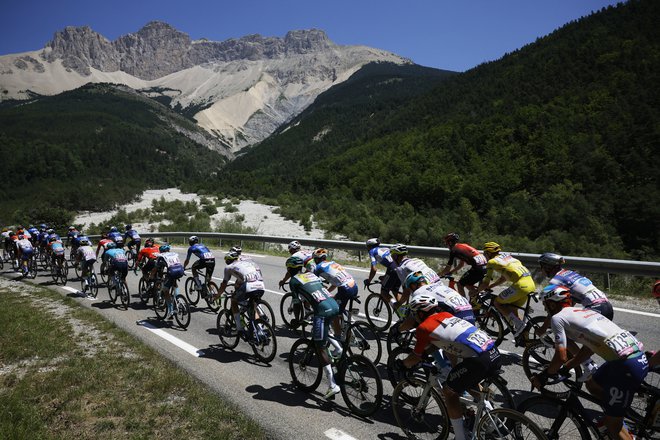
{"x": 592, "y": 265}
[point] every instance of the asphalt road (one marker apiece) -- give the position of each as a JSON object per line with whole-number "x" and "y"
{"x": 265, "y": 392}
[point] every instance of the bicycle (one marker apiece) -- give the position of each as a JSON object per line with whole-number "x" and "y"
{"x": 208, "y": 290}
{"x": 421, "y": 412}
{"x": 117, "y": 288}
{"x": 92, "y": 284}
{"x": 357, "y": 377}
{"x": 261, "y": 305}
{"x": 30, "y": 271}
{"x": 537, "y": 356}
{"x": 131, "y": 259}
{"x": 181, "y": 308}
{"x": 295, "y": 311}
{"x": 59, "y": 272}
{"x": 146, "y": 288}
{"x": 569, "y": 419}
{"x": 258, "y": 333}
{"x": 489, "y": 319}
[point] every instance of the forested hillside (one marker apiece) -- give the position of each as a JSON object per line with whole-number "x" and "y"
{"x": 92, "y": 148}
{"x": 552, "y": 147}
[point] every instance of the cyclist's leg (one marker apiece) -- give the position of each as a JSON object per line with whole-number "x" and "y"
{"x": 509, "y": 302}
{"x": 240, "y": 294}
{"x": 326, "y": 310}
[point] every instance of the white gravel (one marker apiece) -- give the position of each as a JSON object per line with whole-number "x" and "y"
{"x": 256, "y": 215}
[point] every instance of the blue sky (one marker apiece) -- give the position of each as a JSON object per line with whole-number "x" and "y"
{"x": 453, "y": 35}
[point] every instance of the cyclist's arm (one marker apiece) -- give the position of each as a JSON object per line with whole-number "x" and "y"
{"x": 372, "y": 273}
{"x": 581, "y": 356}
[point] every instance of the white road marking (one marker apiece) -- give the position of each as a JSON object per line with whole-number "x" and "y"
{"x": 336, "y": 434}
{"x": 636, "y": 312}
{"x": 78, "y": 292}
{"x": 172, "y": 339}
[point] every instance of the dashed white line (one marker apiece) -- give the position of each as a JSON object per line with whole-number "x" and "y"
{"x": 172, "y": 339}
{"x": 336, "y": 434}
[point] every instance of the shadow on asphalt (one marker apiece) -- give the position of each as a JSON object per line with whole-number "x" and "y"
{"x": 219, "y": 353}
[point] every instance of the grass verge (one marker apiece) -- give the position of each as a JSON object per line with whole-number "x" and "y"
{"x": 65, "y": 372}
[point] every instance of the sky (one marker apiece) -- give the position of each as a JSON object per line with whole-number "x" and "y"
{"x": 454, "y": 35}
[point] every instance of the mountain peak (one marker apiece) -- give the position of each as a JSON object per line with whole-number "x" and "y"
{"x": 304, "y": 41}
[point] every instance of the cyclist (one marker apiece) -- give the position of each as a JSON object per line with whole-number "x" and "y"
{"x": 103, "y": 243}
{"x": 115, "y": 261}
{"x": 406, "y": 266}
{"x": 458, "y": 338}
{"x": 56, "y": 252}
{"x": 43, "y": 239}
{"x": 239, "y": 251}
{"x": 51, "y": 233}
{"x": 75, "y": 241}
{"x": 85, "y": 258}
{"x": 5, "y": 239}
{"x": 71, "y": 235}
{"x": 511, "y": 270}
{"x": 146, "y": 259}
{"x": 339, "y": 279}
{"x": 465, "y": 254}
{"x": 306, "y": 256}
{"x": 249, "y": 285}
{"x": 132, "y": 238}
{"x": 616, "y": 381}
{"x": 169, "y": 260}
{"x": 33, "y": 235}
{"x": 310, "y": 287}
{"x": 390, "y": 282}
{"x": 24, "y": 252}
{"x": 116, "y": 236}
{"x": 205, "y": 260}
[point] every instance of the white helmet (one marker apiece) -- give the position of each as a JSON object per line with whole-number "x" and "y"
{"x": 423, "y": 302}
{"x": 294, "y": 246}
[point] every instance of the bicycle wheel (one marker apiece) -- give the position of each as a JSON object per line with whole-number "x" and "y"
{"x": 113, "y": 288}
{"x": 536, "y": 357}
{"x": 54, "y": 274}
{"x": 264, "y": 342}
{"x": 361, "y": 385}
{"x": 94, "y": 286}
{"x": 227, "y": 329}
{"x": 124, "y": 295}
{"x": 531, "y": 334}
{"x": 191, "y": 291}
{"x": 143, "y": 291}
{"x": 490, "y": 322}
{"x": 364, "y": 340}
{"x": 76, "y": 268}
{"x": 304, "y": 365}
{"x": 130, "y": 260}
{"x": 64, "y": 273}
{"x": 102, "y": 273}
{"x": 32, "y": 268}
{"x": 160, "y": 305}
{"x": 420, "y": 415}
{"x": 2, "y": 263}
{"x": 505, "y": 423}
{"x": 555, "y": 418}
{"x": 290, "y": 317}
{"x": 265, "y": 311}
{"x": 181, "y": 311}
{"x": 399, "y": 339}
{"x": 213, "y": 293}
{"x": 378, "y": 312}
{"x": 497, "y": 392}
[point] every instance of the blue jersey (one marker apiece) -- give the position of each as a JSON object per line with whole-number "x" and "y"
{"x": 200, "y": 251}
{"x": 382, "y": 255}
{"x": 43, "y": 237}
{"x": 34, "y": 232}
{"x": 582, "y": 289}
{"x": 132, "y": 235}
{"x": 78, "y": 238}
{"x": 116, "y": 237}
{"x": 115, "y": 255}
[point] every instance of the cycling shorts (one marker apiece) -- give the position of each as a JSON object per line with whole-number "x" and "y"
{"x": 620, "y": 380}
{"x": 87, "y": 265}
{"x": 604, "y": 308}
{"x": 135, "y": 242}
{"x": 325, "y": 311}
{"x": 473, "y": 276}
{"x": 201, "y": 264}
{"x": 173, "y": 275}
{"x": 390, "y": 281}
{"x": 517, "y": 293}
{"x": 241, "y": 294}
{"x": 468, "y": 373}
{"x": 344, "y": 294}
{"x": 26, "y": 254}
{"x": 119, "y": 266}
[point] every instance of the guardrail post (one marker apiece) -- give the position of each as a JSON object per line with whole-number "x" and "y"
{"x": 607, "y": 282}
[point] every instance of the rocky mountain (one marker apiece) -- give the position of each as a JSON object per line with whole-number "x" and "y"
{"x": 240, "y": 90}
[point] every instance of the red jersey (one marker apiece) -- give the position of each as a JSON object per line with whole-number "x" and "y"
{"x": 468, "y": 254}
{"x": 150, "y": 253}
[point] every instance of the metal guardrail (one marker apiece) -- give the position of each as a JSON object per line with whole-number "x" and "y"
{"x": 592, "y": 265}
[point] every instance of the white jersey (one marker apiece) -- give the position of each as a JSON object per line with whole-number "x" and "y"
{"x": 412, "y": 265}
{"x": 582, "y": 289}
{"x": 86, "y": 253}
{"x": 595, "y": 331}
{"x": 308, "y": 261}
{"x": 5, "y": 234}
{"x": 24, "y": 244}
{"x": 451, "y": 299}
{"x": 245, "y": 272}
{"x": 334, "y": 273}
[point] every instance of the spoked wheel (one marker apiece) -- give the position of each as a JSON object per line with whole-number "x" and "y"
{"x": 181, "y": 311}
{"x": 227, "y": 329}
{"x": 536, "y": 358}
{"x": 54, "y": 274}
{"x": 213, "y": 305}
{"x": 32, "y": 268}
{"x": 291, "y": 316}
{"x": 64, "y": 273}
{"x": 102, "y": 273}
{"x": 130, "y": 260}
{"x": 160, "y": 306}
{"x": 143, "y": 291}
{"x": 557, "y": 421}
{"x": 498, "y": 394}
{"x": 378, "y": 312}
{"x": 394, "y": 375}
{"x": 399, "y": 339}
{"x": 265, "y": 311}
{"x": 191, "y": 291}
{"x": 125, "y": 295}
{"x": 365, "y": 340}
{"x": 304, "y": 365}
{"x": 94, "y": 286}
{"x": 420, "y": 416}
{"x": 504, "y": 423}
{"x": 530, "y": 334}
{"x": 490, "y": 322}
{"x": 113, "y": 287}
{"x": 76, "y": 268}
{"x": 361, "y": 385}
{"x": 264, "y": 342}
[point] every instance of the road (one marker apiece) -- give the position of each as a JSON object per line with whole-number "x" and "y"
{"x": 265, "y": 392}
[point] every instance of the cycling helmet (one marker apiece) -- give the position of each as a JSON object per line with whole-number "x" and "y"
{"x": 129, "y": 227}
{"x": 555, "y": 293}
{"x": 294, "y": 262}
{"x": 414, "y": 278}
{"x": 399, "y": 249}
{"x": 550, "y": 259}
{"x": 193, "y": 240}
{"x": 111, "y": 245}
{"x": 43, "y": 226}
{"x": 492, "y": 247}
{"x": 231, "y": 256}
{"x": 12, "y": 233}
{"x": 320, "y": 254}
{"x": 294, "y": 246}
{"x": 72, "y": 228}
{"x": 452, "y": 238}
{"x": 164, "y": 248}
{"x": 53, "y": 238}
{"x": 422, "y": 302}
{"x": 50, "y": 231}
{"x": 113, "y": 229}
{"x": 149, "y": 242}
{"x": 84, "y": 242}
{"x": 372, "y": 243}
{"x": 236, "y": 249}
